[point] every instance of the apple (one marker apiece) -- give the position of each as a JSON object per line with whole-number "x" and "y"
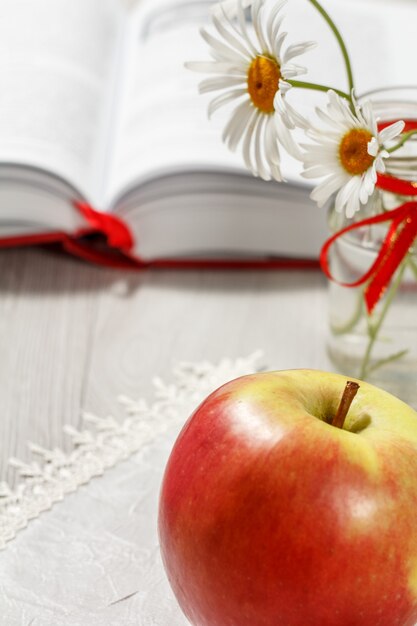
{"x": 272, "y": 515}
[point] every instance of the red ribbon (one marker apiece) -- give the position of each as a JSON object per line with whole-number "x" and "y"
{"x": 116, "y": 231}
{"x": 398, "y": 240}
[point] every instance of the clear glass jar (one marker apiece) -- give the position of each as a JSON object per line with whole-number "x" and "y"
{"x": 382, "y": 347}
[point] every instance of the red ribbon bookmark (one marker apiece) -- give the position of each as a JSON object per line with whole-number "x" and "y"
{"x": 118, "y": 234}
{"x": 397, "y": 242}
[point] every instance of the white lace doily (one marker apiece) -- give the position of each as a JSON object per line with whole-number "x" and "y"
{"x": 106, "y": 442}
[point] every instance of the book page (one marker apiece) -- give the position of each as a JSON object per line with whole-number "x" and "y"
{"x": 163, "y": 123}
{"x": 57, "y": 59}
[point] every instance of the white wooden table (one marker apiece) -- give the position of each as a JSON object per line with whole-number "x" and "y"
{"x": 73, "y": 337}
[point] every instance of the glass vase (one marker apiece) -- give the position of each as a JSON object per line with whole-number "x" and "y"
{"x": 380, "y": 347}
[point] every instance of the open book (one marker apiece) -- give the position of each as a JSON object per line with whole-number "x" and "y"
{"x": 102, "y": 131}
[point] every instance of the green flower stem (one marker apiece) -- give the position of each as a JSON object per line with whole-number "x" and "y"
{"x": 374, "y": 329}
{"x": 412, "y": 266}
{"x": 356, "y": 317}
{"x": 340, "y": 41}
{"x": 316, "y": 87}
{"x": 402, "y": 141}
{"x": 389, "y": 359}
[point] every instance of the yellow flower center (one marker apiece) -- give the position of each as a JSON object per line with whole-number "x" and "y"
{"x": 263, "y": 79}
{"x": 353, "y": 151}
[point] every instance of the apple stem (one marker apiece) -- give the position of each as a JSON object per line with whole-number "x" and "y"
{"x": 346, "y": 400}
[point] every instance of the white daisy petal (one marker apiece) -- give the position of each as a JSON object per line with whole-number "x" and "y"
{"x": 257, "y": 8}
{"x": 391, "y": 132}
{"x": 224, "y": 99}
{"x": 260, "y": 165}
{"x": 287, "y": 140}
{"x": 278, "y": 41}
{"x": 379, "y": 165}
{"x": 369, "y": 181}
{"x": 339, "y": 107}
{"x": 296, "y": 50}
{"x": 231, "y": 39}
{"x": 284, "y": 87}
{"x": 363, "y": 193}
{"x": 298, "y": 120}
{"x": 316, "y": 171}
{"x": 248, "y": 140}
{"x": 235, "y": 129}
{"x": 240, "y": 29}
{"x": 272, "y": 146}
{"x": 373, "y": 147}
{"x": 274, "y": 26}
{"x": 340, "y": 153}
{"x": 219, "y": 82}
{"x": 353, "y": 200}
{"x": 327, "y": 188}
{"x": 332, "y": 120}
{"x": 226, "y": 52}
{"x": 249, "y": 70}
{"x": 314, "y": 152}
{"x": 290, "y": 70}
{"x": 275, "y": 22}
{"x": 242, "y": 25}
{"x": 281, "y": 110}
{"x": 214, "y": 67}
{"x": 277, "y": 174}
{"x": 345, "y": 192}
{"x": 368, "y": 117}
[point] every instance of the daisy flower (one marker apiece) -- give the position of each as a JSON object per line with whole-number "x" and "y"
{"x": 252, "y": 71}
{"x": 348, "y": 153}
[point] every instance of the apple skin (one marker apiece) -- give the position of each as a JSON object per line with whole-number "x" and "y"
{"x": 269, "y": 516}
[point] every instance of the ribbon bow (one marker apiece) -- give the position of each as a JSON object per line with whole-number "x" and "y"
{"x": 397, "y": 242}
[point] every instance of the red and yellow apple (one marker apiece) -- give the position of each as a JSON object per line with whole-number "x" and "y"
{"x": 271, "y": 516}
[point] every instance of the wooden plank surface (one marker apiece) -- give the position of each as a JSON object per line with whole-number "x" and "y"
{"x": 73, "y": 337}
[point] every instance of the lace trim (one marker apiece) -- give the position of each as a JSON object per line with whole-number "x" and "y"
{"x": 107, "y": 441}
